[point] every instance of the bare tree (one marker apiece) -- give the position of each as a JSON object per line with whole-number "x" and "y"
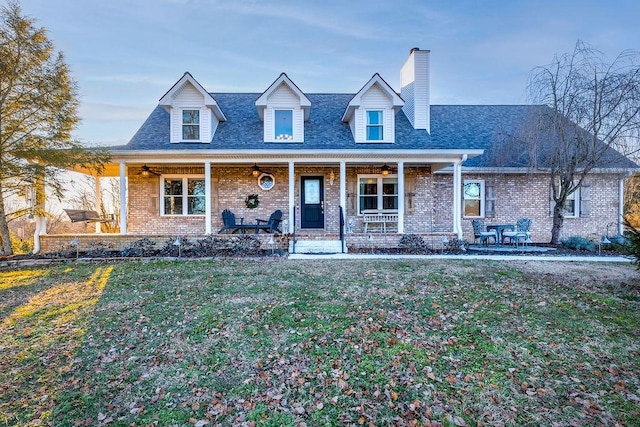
{"x": 594, "y": 110}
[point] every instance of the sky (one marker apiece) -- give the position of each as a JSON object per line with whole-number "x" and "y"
{"x": 126, "y": 54}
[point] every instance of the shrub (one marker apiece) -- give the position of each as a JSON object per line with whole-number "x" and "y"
{"x": 99, "y": 250}
{"x": 413, "y": 244}
{"x": 579, "y": 243}
{"x": 170, "y": 249}
{"x": 456, "y": 246}
{"x": 632, "y": 241}
{"x": 211, "y": 246}
{"x": 139, "y": 248}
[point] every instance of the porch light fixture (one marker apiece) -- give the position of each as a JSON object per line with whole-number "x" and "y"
{"x": 384, "y": 170}
{"x": 178, "y": 243}
{"x": 146, "y": 171}
{"x": 255, "y": 171}
{"x": 332, "y": 177}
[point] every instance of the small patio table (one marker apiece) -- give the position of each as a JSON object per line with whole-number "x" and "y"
{"x": 499, "y": 229}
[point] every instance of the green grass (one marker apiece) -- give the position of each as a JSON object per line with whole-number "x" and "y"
{"x": 275, "y": 343}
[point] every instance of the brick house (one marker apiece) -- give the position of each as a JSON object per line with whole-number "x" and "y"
{"x": 392, "y": 162}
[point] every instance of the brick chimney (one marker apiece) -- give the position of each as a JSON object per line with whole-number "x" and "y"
{"x": 414, "y": 83}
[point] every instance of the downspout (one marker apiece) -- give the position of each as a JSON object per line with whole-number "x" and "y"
{"x": 457, "y": 196}
{"x": 621, "y": 207}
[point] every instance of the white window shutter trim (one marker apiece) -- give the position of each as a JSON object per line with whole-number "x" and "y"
{"x": 490, "y": 201}
{"x": 585, "y": 199}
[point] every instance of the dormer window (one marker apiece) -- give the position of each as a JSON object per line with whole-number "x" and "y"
{"x": 371, "y": 112}
{"x": 194, "y": 114}
{"x": 191, "y": 125}
{"x": 374, "y": 125}
{"x": 283, "y": 109}
{"x": 283, "y": 125}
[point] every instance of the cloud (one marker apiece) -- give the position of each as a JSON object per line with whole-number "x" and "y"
{"x": 337, "y": 19}
{"x": 100, "y": 112}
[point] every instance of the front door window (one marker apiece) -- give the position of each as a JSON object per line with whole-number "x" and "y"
{"x": 312, "y": 203}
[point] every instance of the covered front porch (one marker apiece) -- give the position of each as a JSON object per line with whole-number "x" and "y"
{"x": 354, "y": 199}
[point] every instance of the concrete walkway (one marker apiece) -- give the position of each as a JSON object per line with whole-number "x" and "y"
{"x": 513, "y": 257}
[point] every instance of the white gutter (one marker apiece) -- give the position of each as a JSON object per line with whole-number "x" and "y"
{"x": 521, "y": 170}
{"x": 199, "y": 155}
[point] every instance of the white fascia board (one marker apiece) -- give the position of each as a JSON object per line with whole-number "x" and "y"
{"x": 523, "y": 170}
{"x": 229, "y": 156}
{"x": 209, "y": 101}
{"x": 262, "y": 101}
{"x": 355, "y": 102}
{"x": 348, "y": 113}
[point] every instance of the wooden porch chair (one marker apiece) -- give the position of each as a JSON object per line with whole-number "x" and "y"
{"x": 271, "y": 225}
{"x": 229, "y": 223}
{"x": 481, "y": 233}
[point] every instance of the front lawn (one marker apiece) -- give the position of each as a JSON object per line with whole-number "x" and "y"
{"x": 275, "y": 342}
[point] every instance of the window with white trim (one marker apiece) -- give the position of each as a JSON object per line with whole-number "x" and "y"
{"x": 191, "y": 125}
{"x": 377, "y": 192}
{"x": 375, "y": 128}
{"x": 473, "y": 194}
{"x": 572, "y": 205}
{"x": 182, "y": 195}
{"x": 283, "y": 125}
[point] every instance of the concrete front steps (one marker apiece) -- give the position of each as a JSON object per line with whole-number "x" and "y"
{"x": 316, "y": 247}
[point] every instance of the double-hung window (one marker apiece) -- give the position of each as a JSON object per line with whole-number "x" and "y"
{"x": 377, "y": 192}
{"x": 375, "y": 128}
{"x": 183, "y": 196}
{"x": 190, "y": 125}
{"x": 572, "y": 205}
{"x": 474, "y": 199}
{"x": 283, "y": 125}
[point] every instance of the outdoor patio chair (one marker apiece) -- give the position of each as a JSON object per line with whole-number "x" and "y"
{"x": 270, "y": 225}
{"x": 521, "y": 232}
{"x": 229, "y": 223}
{"x": 481, "y": 233}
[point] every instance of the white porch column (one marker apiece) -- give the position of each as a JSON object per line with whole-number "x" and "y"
{"x": 292, "y": 196}
{"x": 343, "y": 187}
{"x": 98, "y": 203}
{"x": 343, "y": 198}
{"x": 457, "y": 197}
{"x": 123, "y": 198}
{"x": 207, "y": 197}
{"x": 38, "y": 208}
{"x": 400, "y": 197}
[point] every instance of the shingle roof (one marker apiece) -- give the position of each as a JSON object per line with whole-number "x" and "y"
{"x": 452, "y": 127}
{"x": 244, "y": 130}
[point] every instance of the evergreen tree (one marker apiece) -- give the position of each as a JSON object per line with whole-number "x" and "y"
{"x": 38, "y": 112}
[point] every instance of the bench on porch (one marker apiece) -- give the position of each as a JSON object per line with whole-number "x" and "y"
{"x": 374, "y": 216}
{"x": 77, "y": 215}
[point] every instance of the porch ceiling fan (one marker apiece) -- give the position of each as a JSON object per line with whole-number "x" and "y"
{"x": 147, "y": 171}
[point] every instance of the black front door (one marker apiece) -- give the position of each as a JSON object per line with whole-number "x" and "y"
{"x": 312, "y": 203}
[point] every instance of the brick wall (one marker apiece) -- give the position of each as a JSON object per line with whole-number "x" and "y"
{"x": 527, "y": 196}
{"x": 428, "y": 208}
{"x": 229, "y": 188}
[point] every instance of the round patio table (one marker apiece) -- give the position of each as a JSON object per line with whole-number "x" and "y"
{"x": 499, "y": 229}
